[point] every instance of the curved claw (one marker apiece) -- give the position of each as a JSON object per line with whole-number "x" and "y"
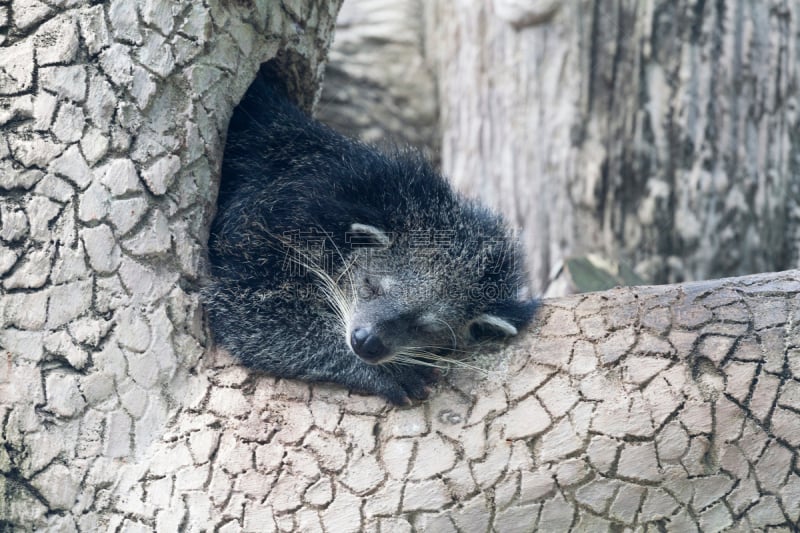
{"x": 400, "y": 385}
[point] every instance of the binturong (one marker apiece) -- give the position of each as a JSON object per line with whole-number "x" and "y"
{"x": 333, "y": 261}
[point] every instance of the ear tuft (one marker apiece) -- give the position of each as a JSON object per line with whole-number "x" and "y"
{"x": 366, "y": 235}
{"x": 504, "y": 320}
{"x": 490, "y": 327}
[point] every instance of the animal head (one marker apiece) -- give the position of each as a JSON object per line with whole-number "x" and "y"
{"x": 413, "y": 296}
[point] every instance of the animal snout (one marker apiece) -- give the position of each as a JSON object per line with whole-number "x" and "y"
{"x": 368, "y": 345}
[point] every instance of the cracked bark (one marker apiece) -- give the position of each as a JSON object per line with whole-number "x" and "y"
{"x": 673, "y": 406}
{"x": 113, "y": 119}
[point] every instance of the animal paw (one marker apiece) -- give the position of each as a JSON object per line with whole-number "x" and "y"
{"x": 410, "y": 383}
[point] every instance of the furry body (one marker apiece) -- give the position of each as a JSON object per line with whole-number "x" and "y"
{"x": 332, "y": 261}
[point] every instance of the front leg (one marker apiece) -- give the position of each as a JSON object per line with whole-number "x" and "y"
{"x": 397, "y": 383}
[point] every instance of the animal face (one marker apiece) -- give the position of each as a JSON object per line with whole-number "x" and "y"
{"x": 408, "y": 303}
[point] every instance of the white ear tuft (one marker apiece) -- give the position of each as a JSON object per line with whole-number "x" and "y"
{"x": 493, "y": 322}
{"x": 380, "y": 236}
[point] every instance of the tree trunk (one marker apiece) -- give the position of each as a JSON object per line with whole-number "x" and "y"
{"x": 669, "y": 406}
{"x": 379, "y": 85}
{"x": 662, "y": 133}
{"x": 113, "y": 120}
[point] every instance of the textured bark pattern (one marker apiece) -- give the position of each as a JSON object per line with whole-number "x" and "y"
{"x": 113, "y": 118}
{"x": 664, "y": 133}
{"x": 379, "y": 85}
{"x": 673, "y": 407}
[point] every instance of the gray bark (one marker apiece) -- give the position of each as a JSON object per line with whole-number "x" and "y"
{"x": 661, "y": 133}
{"x": 379, "y": 84}
{"x": 671, "y": 406}
{"x": 113, "y": 120}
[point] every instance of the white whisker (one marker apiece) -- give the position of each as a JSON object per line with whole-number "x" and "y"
{"x": 426, "y": 358}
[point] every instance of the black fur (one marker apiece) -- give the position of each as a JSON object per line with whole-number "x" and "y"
{"x": 291, "y": 191}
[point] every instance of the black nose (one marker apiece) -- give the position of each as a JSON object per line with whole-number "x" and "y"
{"x": 367, "y": 345}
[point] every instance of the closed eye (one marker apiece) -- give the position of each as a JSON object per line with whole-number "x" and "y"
{"x": 369, "y": 288}
{"x": 428, "y": 323}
